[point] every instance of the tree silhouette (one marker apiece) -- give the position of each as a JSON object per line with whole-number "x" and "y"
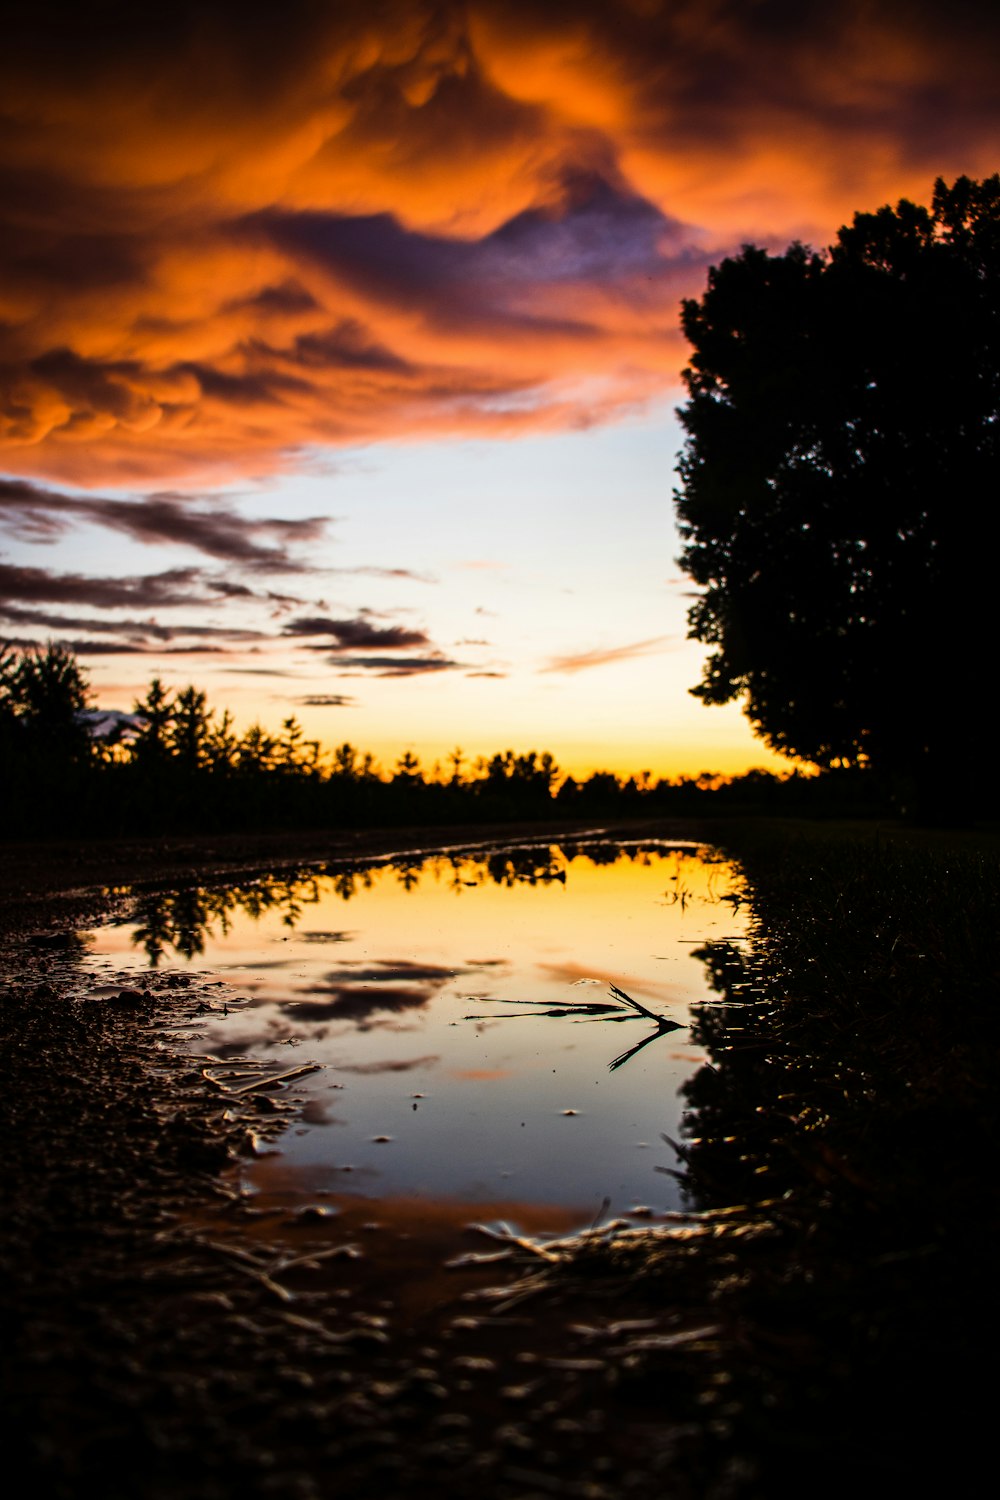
{"x": 185, "y": 767}
{"x": 408, "y": 771}
{"x": 151, "y": 746}
{"x": 838, "y": 494}
{"x": 189, "y": 729}
{"x": 44, "y": 692}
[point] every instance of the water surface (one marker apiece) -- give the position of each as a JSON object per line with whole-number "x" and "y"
{"x": 460, "y": 1004}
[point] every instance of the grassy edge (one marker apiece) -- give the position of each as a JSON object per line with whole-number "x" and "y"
{"x": 839, "y": 1157}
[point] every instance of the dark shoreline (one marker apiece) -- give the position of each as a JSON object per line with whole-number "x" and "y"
{"x": 54, "y": 880}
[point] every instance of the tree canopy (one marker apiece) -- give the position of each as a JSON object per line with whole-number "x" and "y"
{"x": 840, "y": 483}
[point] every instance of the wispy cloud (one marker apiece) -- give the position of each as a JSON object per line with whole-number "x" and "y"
{"x": 84, "y": 647}
{"x": 327, "y": 700}
{"x": 370, "y": 570}
{"x": 147, "y": 632}
{"x": 219, "y": 531}
{"x": 392, "y": 666}
{"x": 582, "y": 661}
{"x": 260, "y": 672}
{"x": 174, "y": 587}
{"x": 354, "y": 634}
{"x": 346, "y": 638}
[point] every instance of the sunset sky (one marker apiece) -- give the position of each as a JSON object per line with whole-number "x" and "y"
{"x": 339, "y": 343}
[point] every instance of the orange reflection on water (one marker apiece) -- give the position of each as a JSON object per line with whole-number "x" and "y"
{"x": 399, "y": 1248}
{"x": 493, "y": 1025}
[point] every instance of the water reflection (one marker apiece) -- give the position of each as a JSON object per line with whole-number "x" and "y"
{"x": 622, "y": 1007}
{"x": 180, "y": 921}
{"x": 463, "y": 1016}
{"x": 726, "y": 1163}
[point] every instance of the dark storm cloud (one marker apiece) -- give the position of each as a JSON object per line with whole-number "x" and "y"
{"x": 594, "y": 231}
{"x": 228, "y": 237}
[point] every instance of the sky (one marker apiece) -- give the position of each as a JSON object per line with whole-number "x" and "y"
{"x": 340, "y": 348}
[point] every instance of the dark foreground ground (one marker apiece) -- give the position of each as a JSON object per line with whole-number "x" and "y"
{"x": 825, "y": 1319}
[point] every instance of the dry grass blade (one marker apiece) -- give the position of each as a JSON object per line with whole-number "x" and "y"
{"x": 635, "y": 1004}
{"x": 506, "y": 1236}
{"x": 265, "y": 1080}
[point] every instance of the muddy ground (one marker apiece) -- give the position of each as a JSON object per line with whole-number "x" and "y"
{"x": 166, "y": 1337}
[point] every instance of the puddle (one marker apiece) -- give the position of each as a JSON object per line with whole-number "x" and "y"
{"x": 475, "y": 1058}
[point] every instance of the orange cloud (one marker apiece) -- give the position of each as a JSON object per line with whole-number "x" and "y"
{"x": 581, "y": 661}
{"x": 228, "y": 239}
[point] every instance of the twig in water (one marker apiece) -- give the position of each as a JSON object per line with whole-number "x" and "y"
{"x": 621, "y": 995}
{"x": 662, "y": 1028}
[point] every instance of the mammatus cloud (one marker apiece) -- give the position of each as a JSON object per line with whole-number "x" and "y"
{"x": 418, "y": 216}
{"x": 582, "y": 661}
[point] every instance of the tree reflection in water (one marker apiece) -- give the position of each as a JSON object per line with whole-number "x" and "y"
{"x": 739, "y": 1138}
{"x": 180, "y": 921}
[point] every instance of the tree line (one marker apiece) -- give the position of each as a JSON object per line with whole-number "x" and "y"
{"x": 176, "y": 764}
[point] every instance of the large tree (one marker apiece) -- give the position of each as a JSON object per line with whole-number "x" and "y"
{"x": 840, "y": 484}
